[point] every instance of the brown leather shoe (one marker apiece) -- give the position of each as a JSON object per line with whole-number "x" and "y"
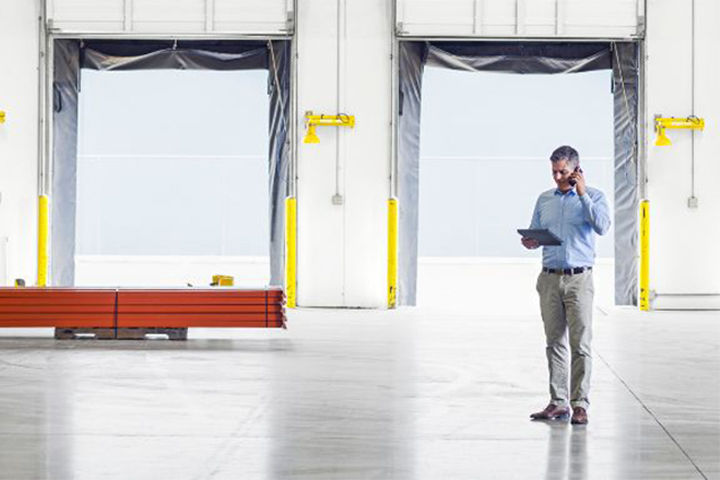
{"x": 552, "y": 412}
{"x": 579, "y": 416}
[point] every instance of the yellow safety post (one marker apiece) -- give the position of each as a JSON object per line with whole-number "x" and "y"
{"x": 2, "y": 116}
{"x": 43, "y": 224}
{"x": 392, "y": 252}
{"x": 291, "y": 244}
{"x": 645, "y": 255}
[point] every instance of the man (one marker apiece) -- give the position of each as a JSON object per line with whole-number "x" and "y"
{"x": 575, "y": 213}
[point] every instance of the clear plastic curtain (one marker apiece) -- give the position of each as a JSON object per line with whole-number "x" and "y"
{"x": 66, "y": 86}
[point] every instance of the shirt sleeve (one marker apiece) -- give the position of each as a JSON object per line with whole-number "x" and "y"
{"x": 535, "y": 222}
{"x": 597, "y": 212}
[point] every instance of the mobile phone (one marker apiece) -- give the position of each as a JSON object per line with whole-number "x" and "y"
{"x": 573, "y": 182}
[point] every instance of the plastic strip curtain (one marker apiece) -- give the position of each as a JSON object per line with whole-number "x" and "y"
{"x": 72, "y": 55}
{"x": 521, "y": 58}
{"x": 627, "y": 190}
{"x": 66, "y": 86}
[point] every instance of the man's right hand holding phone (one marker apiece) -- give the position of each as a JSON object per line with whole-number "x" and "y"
{"x": 577, "y": 180}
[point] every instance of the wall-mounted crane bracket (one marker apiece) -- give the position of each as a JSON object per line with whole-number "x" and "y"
{"x": 312, "y": 121}
{"x": 663, "y": 123}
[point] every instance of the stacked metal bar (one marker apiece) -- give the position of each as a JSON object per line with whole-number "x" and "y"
{"x": 57, "y": 307}
{"x": 141, "y": 308}
{"x": 201, "y": 308}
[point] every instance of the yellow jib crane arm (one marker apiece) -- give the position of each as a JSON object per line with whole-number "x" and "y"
{"x": 687, "y": 123}
{"x": 312, "y": 121}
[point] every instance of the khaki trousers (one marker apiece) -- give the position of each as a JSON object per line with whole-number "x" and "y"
{"x": 566, "y": 305}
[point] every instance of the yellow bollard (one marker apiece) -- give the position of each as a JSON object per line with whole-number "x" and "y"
{"x": 392, "y": 252}
{"x": 291, "y": 244}
{"x": 645, "y": 255}
{"x": 43, "y": 231}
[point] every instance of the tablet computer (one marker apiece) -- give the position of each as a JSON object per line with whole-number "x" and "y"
{"x": 542, "y": 235}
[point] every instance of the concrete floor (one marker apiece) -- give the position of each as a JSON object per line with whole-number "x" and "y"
{"x": 410, "y": 394}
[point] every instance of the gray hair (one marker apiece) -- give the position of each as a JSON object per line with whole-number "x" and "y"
{"x": 567, "y": 153}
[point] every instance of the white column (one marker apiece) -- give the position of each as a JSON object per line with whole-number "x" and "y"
{"x": 344, "y": 66}
{"x": 18, "y": 136}
{"x": 684, "y": 258}
{"x": 367, "y": 150}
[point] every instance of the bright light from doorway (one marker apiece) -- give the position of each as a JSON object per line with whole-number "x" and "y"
{"x": 172, "y": 177}
{"x": 485, "y": 145}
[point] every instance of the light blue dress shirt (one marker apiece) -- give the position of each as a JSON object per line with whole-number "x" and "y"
{"x": 574, "y": 219}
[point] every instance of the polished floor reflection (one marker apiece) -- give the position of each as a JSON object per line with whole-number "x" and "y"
{"x": 410, "y": 394}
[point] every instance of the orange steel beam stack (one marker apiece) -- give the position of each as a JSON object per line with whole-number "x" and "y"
{"x": 136, "y": 308}
{"x": 201, "y": 308}
{"x": 57, "y": 307}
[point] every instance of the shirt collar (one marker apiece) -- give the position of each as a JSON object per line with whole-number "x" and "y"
{"x": 569, "y": 192}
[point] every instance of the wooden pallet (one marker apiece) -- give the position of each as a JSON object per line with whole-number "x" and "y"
{"x": 145, "y": 333}
{"x": 69, "y": 333}
{"x": 120, "y": 333}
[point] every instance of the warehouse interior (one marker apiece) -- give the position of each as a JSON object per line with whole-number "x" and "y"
{"x": 339, "y": 348}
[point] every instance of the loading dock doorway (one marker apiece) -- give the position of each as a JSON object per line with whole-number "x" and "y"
{"x": 163, "y": 191}
{"x": 539, "y": 57}
{"x": 484, "y": 159}
{"x": 172, "y": 178}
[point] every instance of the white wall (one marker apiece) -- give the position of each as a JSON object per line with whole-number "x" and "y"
{"x": 168, "y": 270}
{"x": 685, "y": 258}
{"x": 18, "y": 136}
{"x": 495, "y": 285}
{"x": 342, "y": 249}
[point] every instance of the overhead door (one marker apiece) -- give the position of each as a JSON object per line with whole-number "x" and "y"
{"x": 621, "y": 19}
{"x": 262, "y": 17}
